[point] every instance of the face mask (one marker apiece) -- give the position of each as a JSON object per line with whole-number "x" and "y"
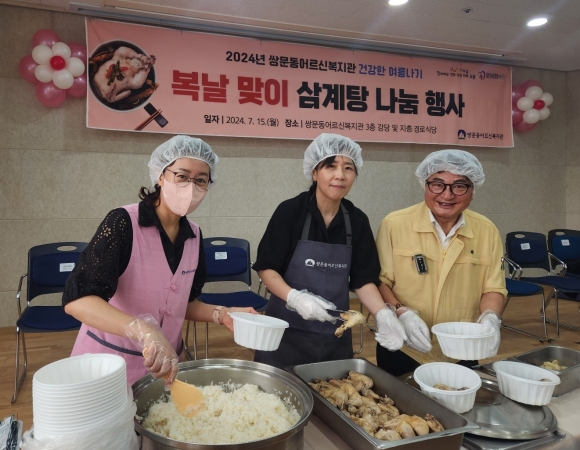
{"x": 182, "y": 200}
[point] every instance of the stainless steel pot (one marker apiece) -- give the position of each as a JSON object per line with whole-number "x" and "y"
{"x": 148, "y": 390}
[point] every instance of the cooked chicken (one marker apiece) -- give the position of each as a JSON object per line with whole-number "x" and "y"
{"x": 351, "y": 319}
{"x": 388, "y": 435}
{"x": 433, "y": 423}
{"x": 364, "y": 425}
{"x": 367, "y": 381}
{"x": 444, "y": 387}
{"x": 125, "y": 71}
{"x": 418, "y": 424}
{"x": 354, "y": 398}
{"x": 405, "y": 430}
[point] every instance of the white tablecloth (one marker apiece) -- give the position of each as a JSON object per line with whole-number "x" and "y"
{"x": 318, "y": 436}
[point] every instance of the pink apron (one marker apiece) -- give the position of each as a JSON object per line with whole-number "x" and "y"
{"x": 146, "y": 287}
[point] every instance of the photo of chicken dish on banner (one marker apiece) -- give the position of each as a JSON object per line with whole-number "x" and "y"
{"x": 122, "y": 78}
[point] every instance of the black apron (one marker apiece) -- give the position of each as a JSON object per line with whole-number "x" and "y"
{"x": 322, "y": 269}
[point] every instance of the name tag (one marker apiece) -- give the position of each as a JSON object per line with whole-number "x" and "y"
{"x": 221, "y": 255}
{"x": 565, "y": 243}
{"x": 66, "y": 267}
{"x": 525, "y": 246}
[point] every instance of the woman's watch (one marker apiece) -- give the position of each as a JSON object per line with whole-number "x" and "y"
{"x": 216, "y": 315}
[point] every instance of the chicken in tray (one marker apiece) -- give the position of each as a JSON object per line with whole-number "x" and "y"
{"x": 351, "y": 319}
{"x": 125, "y": 71}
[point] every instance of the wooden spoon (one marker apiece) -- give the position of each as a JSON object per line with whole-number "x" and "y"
{"x": 187, "y": 398}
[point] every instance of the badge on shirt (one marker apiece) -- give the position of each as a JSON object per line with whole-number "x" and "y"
{"x": 421, "y": 264}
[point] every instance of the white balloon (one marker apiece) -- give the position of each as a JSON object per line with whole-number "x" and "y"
{"x": 75, "y": 66}
{"x": 62, "y": 79}
{"x": 525, "y": 104}
{"x": 544, "y": 113}
{"x": 42, "y": 54}
{"x": 547, "y": 98}
{"x": 532, "y": 116}
{"x": 61, "y": 49}
{"x": 534, "y": 92}
{"x": 43, "y": 73}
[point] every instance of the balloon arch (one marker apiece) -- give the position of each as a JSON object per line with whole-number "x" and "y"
{"x": 530, "y": 104}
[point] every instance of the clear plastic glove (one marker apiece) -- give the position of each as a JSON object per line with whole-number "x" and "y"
{"x": 310, "y": 306}
{"x": 491, "y": 321}
{"x": 418, "y": 336}
{"x": 160, "y": 357}
{"x": 390, "y": 331}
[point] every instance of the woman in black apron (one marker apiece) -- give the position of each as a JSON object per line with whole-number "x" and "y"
{"x": 316, "y": 247}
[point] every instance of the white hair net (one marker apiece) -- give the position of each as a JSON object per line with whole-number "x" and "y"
{"x": 327, "y": 145}
{"x": 457, "y": 162}
{"x": 181, "y": 146}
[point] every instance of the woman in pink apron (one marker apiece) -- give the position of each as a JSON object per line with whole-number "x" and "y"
{"x": 316, "y": 247}
{"x": 139, "y": 278}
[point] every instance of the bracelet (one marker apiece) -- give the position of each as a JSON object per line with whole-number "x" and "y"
{"x": 216, "y": 315}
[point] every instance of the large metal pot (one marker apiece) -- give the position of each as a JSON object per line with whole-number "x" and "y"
{"x": 148, "y": 390}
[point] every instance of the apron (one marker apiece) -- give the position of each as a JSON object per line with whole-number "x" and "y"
{"x": 322, "y": 269}
{"x": 146, "y": 287}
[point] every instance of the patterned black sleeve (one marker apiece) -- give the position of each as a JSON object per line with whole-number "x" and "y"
{"x": 105, "y": 259}
{"x": 200, "y": 273}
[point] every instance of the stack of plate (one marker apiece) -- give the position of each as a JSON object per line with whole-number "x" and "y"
{"x": 78, "y": 394}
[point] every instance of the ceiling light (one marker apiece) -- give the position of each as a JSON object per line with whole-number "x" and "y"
{"x": 397, "y": 2}
{"x": 537, "y": 22}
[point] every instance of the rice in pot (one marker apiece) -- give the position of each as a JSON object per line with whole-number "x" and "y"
{"x": 233, "y": 414}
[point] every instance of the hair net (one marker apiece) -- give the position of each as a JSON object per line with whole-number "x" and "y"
{"x": 457, "y": 162}
{"x": 327, "y": 145}
{"x": 181, "y": 147}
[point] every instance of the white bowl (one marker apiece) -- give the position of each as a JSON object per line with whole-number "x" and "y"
{"x": 463, "y": 340}
{"x": 79, "y": 372}
{"x": 521, "y": 382}
{"x": 258, "y": 331}
{"x": 452, "y": 375}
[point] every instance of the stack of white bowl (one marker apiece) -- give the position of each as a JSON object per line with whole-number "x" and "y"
{"x": 78, "y": 395}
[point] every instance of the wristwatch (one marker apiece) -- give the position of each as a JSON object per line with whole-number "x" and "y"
{"x": 216, "y": 314}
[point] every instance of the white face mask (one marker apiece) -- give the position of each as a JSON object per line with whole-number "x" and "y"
{"x": 182, "y": 200}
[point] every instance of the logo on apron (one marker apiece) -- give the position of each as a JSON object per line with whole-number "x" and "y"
{"x": 309, "y": 262}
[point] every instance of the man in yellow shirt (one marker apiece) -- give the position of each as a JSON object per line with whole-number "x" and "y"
{"x": 440, "y": 262}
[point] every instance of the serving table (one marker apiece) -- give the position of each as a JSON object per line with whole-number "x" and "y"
{"x": 566, "y": 408}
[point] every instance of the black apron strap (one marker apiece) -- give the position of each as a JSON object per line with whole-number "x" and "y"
{"x": 347, "y": 225}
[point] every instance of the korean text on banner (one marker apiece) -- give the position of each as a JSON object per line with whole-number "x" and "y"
{"x": 160, "y": 80}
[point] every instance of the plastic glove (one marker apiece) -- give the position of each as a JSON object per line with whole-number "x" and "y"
{"x": 390, "y": 331}
{"x": 416, "y": 330}
{"x": 160, "y": 357}
{"x": 491, "y": 321}
{"x": 310, "y": 306}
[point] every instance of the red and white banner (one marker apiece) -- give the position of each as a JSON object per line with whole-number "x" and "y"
{"x": 160, "y": 80}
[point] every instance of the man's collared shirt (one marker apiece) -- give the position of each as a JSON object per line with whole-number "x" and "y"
{"x": 445, "y": 239}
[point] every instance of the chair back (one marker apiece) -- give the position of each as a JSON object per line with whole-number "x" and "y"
{"x": 565, "y": 244}
{"x": 49, "y": 266}
{"x": 227, "y": 259}
{"x": 528, "y": 249}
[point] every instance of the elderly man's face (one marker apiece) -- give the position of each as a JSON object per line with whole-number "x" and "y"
{"x": 447, "y": 206}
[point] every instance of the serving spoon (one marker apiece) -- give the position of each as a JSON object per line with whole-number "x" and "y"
{"x": 187, "y": 398}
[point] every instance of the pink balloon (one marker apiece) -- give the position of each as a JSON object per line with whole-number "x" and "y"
{"x": 26, "y": 68}
{"x": 517, "y": 93}
{"x": 49, "y": 95}
{"x": 539, "y": 104}
{"x": 524, "y": 127}
{"x": 530, "y": 83}
{"x": 517, "y": 114}
{"x": 45, "y": 37}
{"x": 78, "y": 51}
{"x": 79, "y": 87}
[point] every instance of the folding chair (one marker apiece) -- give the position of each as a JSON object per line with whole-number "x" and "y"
{"x": 226, "y": 259}
{"x": 565, "y": 245}
{"x": 49, "y": 266}
{"x": 529, "y": 250}
{"x": 518, "y": 288}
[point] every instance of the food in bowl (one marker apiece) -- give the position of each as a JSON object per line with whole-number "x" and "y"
{"x": 375, "y": 414}
{"x": 351, "y": 319}
{"x": 444, "y": 387}
{"x": 525, "y": 383}
{"x": 234, "y": 414}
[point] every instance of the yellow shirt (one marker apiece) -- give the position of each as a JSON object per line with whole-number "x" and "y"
{"x": 457, "y": 277}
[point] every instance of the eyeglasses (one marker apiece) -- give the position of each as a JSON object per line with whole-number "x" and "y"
{"x": 456, "y": 189}
{"x": 182, "y": 180}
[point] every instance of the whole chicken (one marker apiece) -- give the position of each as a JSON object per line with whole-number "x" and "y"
{"x": 125, "y": 71}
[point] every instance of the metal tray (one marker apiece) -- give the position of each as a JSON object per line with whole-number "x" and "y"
{"x": 501, "y": 418}
{"x": 569, "y": 378}
{"x": 481, "y": 443}
{"x": 407, "y": 399}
